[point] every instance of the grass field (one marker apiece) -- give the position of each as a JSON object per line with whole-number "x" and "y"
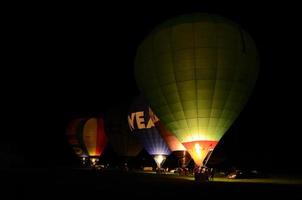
{"x": 86, "y": 184}
{"x": 274, "y": 179}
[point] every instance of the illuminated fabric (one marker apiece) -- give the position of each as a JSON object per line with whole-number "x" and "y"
{"x": 143, "y": 127}
{"x": 87, "y": 136}
{"x": 197, "y": 71}
{"x": 173, "y": 143}
{"x": 199, "y": 150}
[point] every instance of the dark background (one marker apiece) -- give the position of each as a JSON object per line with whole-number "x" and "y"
{"x": 64, "y": 61}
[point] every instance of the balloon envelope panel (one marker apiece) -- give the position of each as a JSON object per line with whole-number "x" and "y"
{"x": 94, "y": 136}
{"x": 172, "y": 142}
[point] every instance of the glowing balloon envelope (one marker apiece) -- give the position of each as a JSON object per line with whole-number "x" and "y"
{"x": 173, "y": 143}
{"x": 197, "y": 72}
{"x": 87, "y": 137}
{"x": 143, "y": 127}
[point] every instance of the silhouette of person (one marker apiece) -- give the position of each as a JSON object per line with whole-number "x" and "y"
{"x": 197, "y": 173}
{"x": 212, "y": 173}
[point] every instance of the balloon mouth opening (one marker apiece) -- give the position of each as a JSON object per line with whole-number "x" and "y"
{"x": 199, "y": 150}
{"x": 159, "y": 159}
{"x": 94, "y": 160}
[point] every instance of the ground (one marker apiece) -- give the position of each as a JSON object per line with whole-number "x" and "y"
{"x": 85, "y": 184}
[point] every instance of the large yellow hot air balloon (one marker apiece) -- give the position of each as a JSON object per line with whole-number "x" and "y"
{"x": 197, "y": 71}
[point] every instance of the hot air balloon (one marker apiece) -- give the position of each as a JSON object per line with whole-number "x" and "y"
{"x": 143, "y": 127}
{"x": 72, "y": 137}
{"x": 87, "y": 138}
{"x": 124, "y": 143}
{"x": 197, "y": 72}
{"x": 173, "y": 143}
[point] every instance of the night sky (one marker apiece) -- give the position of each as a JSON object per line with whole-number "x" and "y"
{"x": 67, "y": 61}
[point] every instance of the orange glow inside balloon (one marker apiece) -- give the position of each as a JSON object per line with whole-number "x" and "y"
{"x": 199, "y": 150}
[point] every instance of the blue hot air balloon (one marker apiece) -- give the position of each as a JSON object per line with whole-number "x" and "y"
{"x": 143, "y": 127}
